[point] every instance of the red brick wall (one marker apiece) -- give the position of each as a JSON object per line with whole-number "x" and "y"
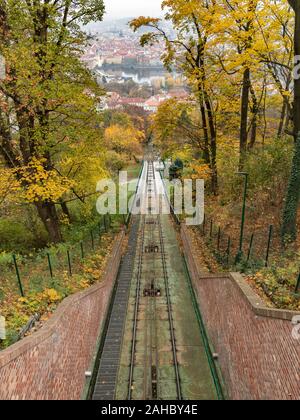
{"x": 258, "y": 357}
{"x": 51, "y": 364}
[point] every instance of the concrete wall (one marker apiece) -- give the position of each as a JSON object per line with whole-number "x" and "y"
{"x": 51, "y": 364}
{"x": 258, "y": 356}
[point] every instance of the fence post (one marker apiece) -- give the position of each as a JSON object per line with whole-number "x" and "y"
{"x": 298, "y": 284}
{"x": 18, "y": 276}
{"x": 269, "y": 245}
{"x": 69, "y": 263}
{"x": 250, "y": 247}
{"x": 240, "y": 251}
{"x": 50, "y": 265}
{"x": 211, "y": 229}
{"x": 219, "y": 239}
{"x": 228, "y": 249}
{"x": 92, "y": 238}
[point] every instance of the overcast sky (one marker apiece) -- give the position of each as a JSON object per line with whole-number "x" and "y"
{"x": 130, "y": 8}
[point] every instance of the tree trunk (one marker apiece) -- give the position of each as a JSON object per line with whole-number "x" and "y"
{"x": 203, "y": 118}
{"x": 210, "y": 146}
{"x": 6, "y": 145}
{"x": 282, "y": 119}
{"x": 214, "y": 177}
{"x": 213, "y": 145}
{"x": 253, "y": 133}
{"x": 48, "y": 214}
{"x": 296, "y": 110}
{"x": 65, "y": 210}
{"x": 244, "y": 115}
{"x": 255, "y": 111}
{"x": 289, "y": 225}
{"x": 206, "y": 139}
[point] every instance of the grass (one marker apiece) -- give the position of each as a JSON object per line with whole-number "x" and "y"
{"x": 277, "y": 283}
{"x": 133, "y": 171}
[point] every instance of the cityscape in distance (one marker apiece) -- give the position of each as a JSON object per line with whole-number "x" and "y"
{"x": 130, "y": 74}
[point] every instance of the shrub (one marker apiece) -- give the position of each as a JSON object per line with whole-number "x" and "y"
{"x": 15, "y": 236}
{"x": 268, "y": 168}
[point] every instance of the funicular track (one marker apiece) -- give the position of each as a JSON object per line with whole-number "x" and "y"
{"x": 151, "y": 225}
{"x": 139, "y": 357}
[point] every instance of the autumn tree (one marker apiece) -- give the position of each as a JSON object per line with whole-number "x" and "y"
{"x": 276, "y": 53}
{"x": 126, "y": 141}
{"x": 242, "y": 35}
{"x": 47, "y": 97}
{"x": 195, "y": 24}
{"x": 176, "y": 125}
{"x": 295, "y": 4}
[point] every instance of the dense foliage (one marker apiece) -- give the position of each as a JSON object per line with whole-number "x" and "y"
{"x": 53, "y": 141}
{"x": 238, "y": 59}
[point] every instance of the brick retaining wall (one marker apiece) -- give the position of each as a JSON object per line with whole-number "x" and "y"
{"x": 258, "y": 357}
{"x": 51, "y": 364}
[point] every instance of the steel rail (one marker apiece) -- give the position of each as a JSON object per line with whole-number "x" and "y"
{"x": 170, "y": 316}
{"x": 136, "y": 311}
{"x": 153, "y": 310}
{"x": 151, "y": 171}
{"x": 137, "y": 304}
{"x": 169, "y": 304}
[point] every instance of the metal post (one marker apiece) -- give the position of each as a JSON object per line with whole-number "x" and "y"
{"x": 211, "y": 229}
{"x": 203, "y": 226}
{"x": 104, "y": 221}
{"x": 69, "y": 263}
{"x": 82, "y": 250}
{"x": 298, "y": 284}
{"x": 219, "y": 238}
{"x": 269, "y": 245}
{"x": 250, "y": 247}
{"x": 240, "y": 252}
{"x": 228, "y": 249}
{"x": 92, "y": 238}
{"x": 18, "y": 276}
{"x": 50, "y": 265}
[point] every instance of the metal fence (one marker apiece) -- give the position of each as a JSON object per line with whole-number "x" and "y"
{"x": 23, "y": 274}
{"x": 261, "y": 248}
{"x": 257, "y": 247}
